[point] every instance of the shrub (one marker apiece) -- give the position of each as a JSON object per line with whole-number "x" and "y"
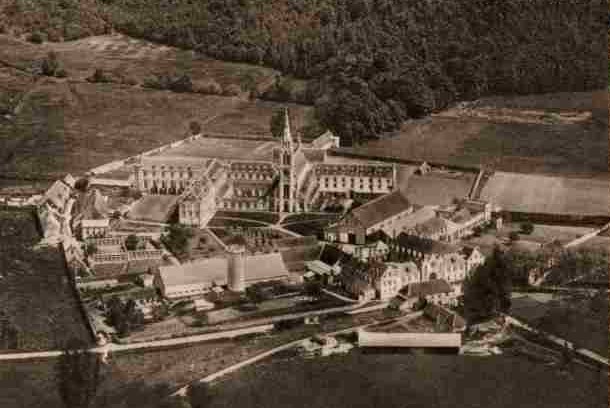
{"x": 231, "y": 90}
{"x": 527, "y": 228}
{"x": 210, "y": 87}
{"x": 98, "y": 76}
{"x": 49, "y": 65}
{"x": 36, "y": 38}
{"x": 61, "y": 73}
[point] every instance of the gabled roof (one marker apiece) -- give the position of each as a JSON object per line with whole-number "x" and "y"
{"x": 425, "y": 246}
{"x": 314, "y": 155}
{"x": 331, "y": 255}
{"x": 381, "y": 208}
{"x": 266, "y": 266}
{"x": 468, "y": 250}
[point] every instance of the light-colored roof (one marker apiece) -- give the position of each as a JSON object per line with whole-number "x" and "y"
{"x": 380, "y": 209}
{"x": 265, "y": 266}
{"x": 418, "y": 216}
{"x": 212, "y": 270}
{"x": 102, "y": 223}
{"x": 372, "y": 339}
{"x": 58, "y": 193}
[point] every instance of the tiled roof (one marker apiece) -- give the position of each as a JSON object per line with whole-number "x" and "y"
{"x": 314, "y": 155}
{"x": 331, "y": 255}
{"x": 381, "y": 208}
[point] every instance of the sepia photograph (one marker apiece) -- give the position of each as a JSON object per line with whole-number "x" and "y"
{"x": 304, "y": 203}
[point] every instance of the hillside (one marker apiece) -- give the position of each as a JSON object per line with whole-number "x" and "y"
{"x": 52, "y": 125}
{"x": 369, "y": 63}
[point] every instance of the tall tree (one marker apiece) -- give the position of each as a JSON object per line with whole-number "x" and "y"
{"x": 77, "y": 373}
{"x": 277, "y": 123}
{"x": 487, "y": 290}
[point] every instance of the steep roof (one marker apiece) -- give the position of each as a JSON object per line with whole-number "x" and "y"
{"x": 203, "y": 271}
{"x": 331, "y": 255}
{"x": 266, "y": 266}
{"x": 381, "y": 208}
{"x": 314, "y": 155}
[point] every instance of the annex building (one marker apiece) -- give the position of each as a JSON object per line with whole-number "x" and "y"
{"x": 283, "y": 176}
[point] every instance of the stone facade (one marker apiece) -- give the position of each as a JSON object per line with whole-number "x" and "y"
{"x": 293, "y": 180}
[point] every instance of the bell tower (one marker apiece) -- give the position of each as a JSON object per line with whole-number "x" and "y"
{"x": 283, "y": 156}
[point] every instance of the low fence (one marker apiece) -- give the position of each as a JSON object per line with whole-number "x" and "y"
{"x": 556, "y": 219}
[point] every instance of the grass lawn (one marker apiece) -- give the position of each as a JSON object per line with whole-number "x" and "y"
{"x": 36, "y": 296}
{"x": 306, "y": 217}
{"x": 437, "y": 188}
{"x": 578, "y": 149}
{"x": 70, "y": 125}
{"x": 201, "y": 245}
{"x": 551, "y": 195}
{"x": 307, "y": 228}
{"x": 263, "y": 216}
{"x": 405, "y": 380}
{"x": 155, "y": 208}
{"x": 218, "y": 222}
{"x": 575, "y": 321}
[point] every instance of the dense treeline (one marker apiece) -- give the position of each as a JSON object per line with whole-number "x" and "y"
{"x": 377, "y": 62}
{"x": 373, "y": 63}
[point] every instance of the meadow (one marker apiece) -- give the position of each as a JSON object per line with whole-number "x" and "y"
{"x": 37, "y": 299}
{"x": 551, "y": 195}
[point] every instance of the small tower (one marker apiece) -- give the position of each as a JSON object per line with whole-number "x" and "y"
{"x": 283, "y": 156}
{"x": 236, "y": 279}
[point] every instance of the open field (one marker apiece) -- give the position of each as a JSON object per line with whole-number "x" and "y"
{"x": 70, "y": 125}
{"x": 577, "y": 322}
{"x": 155, "y": 208}
{"x": 141, "y": 380}
{"x": 406, "y": 380}
{"x": 437, "y": 188}
{"x": 36, "y": 297}
{"x": 555, "y": 148}
{"x": 240, "y": 149}
{"x": 128, "y": 58}
{"x": 551, "y": 195}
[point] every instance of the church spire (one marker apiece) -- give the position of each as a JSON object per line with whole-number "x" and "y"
{"x": 286, "y": 134}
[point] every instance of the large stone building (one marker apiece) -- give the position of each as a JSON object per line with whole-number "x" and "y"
{"x": 381, "y": 214}
{"x": 296, "y": 177}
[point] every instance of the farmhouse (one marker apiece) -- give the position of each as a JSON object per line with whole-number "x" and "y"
{"x": 371, "y": 280}
{"x": 293, "y": 178}
{"x": 439, "y": 260}
{"x": 381, "y": 214}
{"x": 436, "y": 291}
